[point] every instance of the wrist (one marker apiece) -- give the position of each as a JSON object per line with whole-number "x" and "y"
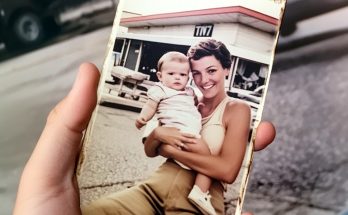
{"x": 156, "y": 134}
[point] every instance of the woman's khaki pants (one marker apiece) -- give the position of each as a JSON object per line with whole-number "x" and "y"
{"x": 164, "y": 193}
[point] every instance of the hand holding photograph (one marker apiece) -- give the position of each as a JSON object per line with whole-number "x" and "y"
{"x": 181, "y": 94}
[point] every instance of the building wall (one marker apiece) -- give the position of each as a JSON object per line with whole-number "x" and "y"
{"x": 253, "y": 39}
{"x": 179, "y": 30}
{"x": 242, "y": 41}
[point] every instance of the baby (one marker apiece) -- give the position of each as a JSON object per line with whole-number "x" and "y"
{"x": 175, "y": 105}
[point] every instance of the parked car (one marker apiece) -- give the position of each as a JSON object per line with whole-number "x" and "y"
{"x": 298, "y": 10}
{"x": 25, "y": 23}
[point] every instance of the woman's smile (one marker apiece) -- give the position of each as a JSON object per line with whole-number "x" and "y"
{"x": 207, "y": 87}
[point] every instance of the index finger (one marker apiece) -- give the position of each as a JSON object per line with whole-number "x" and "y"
{"x": 188, "y": 135}
{"x": 186, "y": 140}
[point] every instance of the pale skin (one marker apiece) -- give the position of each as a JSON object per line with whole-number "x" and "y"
{"x": 48, "y": 184}
{"x": 147, "y": 113}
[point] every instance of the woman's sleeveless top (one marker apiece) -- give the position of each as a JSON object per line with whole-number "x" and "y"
{"x": 213, "y": 129}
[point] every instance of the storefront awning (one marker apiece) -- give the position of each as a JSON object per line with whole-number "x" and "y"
{"x": 236, "y": 14}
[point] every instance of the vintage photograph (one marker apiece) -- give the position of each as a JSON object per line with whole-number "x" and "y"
{"x": 181, "y": 93}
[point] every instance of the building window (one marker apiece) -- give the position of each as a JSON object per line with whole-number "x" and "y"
{"x": 249, "y": 75}
{"x": 248, "y": 81}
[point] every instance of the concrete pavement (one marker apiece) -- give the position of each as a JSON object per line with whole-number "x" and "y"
{"x": 114, "y": 157}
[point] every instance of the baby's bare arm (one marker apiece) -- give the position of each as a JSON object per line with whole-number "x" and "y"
{"x": 147, "y": 112}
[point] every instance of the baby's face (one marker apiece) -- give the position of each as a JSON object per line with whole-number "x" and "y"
{"x": 174, "y": 75}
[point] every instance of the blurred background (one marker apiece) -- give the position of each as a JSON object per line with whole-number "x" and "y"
{"x": 305, "y": 171}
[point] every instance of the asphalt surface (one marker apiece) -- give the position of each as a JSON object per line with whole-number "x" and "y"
{"x": 305, "y": 171}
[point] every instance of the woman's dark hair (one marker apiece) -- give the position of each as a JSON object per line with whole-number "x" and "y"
{"x": 211, "y": 47}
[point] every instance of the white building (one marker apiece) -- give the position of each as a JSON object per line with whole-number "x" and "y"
{"x": 248, "y": 30}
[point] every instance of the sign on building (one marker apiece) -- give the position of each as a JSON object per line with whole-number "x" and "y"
{"x": 205, "y": 30}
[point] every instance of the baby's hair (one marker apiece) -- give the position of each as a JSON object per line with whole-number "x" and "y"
{"x": 171, "y": 56}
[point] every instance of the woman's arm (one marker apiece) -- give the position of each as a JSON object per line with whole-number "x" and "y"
{"x": 226, "y": 165}
{"x": 151, "y": 144}
{"x": 171, "y": 137}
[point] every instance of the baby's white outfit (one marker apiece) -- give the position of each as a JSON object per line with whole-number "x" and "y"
{"x": 176, "y": 108}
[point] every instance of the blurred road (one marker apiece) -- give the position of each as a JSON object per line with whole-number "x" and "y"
{"x": 303, "y": 172}
{"x": 84, "y": 24}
